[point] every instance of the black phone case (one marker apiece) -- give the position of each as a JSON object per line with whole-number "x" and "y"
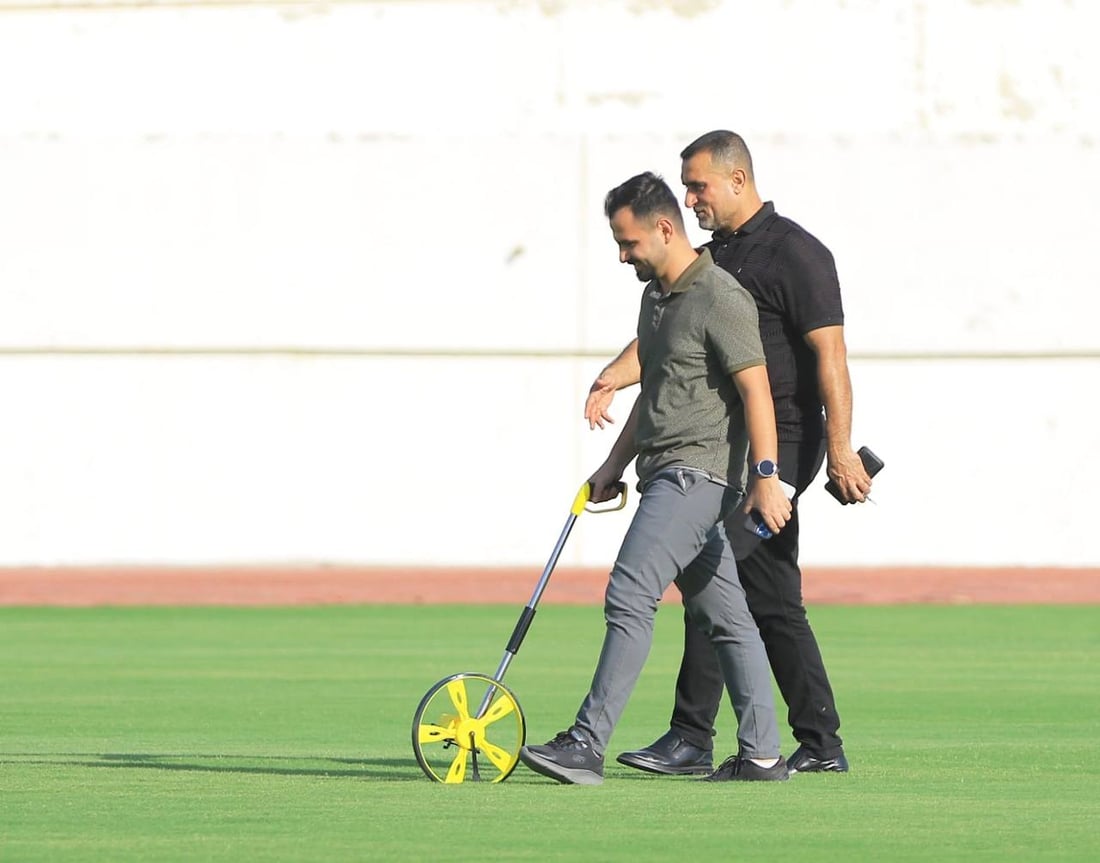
{"x": 871, "y": 463}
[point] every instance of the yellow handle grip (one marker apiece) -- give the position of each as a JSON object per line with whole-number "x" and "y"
{"x": 580, "y": 502}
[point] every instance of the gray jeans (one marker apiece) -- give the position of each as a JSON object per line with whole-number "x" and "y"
{"x": 677, "y": 534}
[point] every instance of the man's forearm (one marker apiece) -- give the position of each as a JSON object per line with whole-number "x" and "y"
{"x": 625, "y": 370}
{"x": 835, "y": 385}
{"x": 765, "y": 493}
{"x": 625, "y": 449}
{"x": 756, "y": 395}
{"x": 760, "y": 424}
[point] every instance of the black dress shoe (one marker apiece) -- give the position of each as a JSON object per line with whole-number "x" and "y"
{"x": 671, "y": 755}
{"x": 802, "y": 761}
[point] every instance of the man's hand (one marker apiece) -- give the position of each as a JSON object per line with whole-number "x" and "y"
{"x": 600, "y": 395}
{"x": 845, "y": 469}
{"x": 767, "y": 497}
{"x": 605, "y": 484}
{"x": 623, "y": 371}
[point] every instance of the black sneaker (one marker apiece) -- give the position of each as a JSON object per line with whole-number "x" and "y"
{"x": 804, "y": 761}
{"x": 739, "y": 769}
{"x": 569, "y": 758}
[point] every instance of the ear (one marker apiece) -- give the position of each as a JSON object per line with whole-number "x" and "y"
{"x": 738, "y": 178}
{"x": 665, "y": 226}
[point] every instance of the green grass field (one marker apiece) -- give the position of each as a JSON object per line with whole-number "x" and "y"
{"x": 284, "y": 734}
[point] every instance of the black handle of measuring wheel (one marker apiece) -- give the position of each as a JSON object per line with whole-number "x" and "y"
{"x": 520, "y": 632}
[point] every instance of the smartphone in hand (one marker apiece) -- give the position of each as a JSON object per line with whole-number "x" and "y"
{"x": 871, "y": 463}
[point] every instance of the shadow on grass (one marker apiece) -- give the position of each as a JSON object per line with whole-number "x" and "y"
{"x": 371, "y": 769}
{"x": 387, "y": 769}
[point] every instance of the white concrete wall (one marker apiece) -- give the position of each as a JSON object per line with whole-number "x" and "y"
{"x": 328, "y": 282}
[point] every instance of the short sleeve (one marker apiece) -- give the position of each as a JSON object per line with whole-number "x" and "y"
{"x": 810, "y": 285}
{"x": 733, "y": 328}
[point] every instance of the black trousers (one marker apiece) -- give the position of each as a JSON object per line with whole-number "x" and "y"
{"x": 773, "y": 585}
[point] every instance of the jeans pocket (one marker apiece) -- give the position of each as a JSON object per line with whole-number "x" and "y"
{"x": 688, "y": 479}
{"x": 731, "y": 502}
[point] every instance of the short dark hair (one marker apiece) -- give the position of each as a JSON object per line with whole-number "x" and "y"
{"x": 724, "y": 146}
{"x": 648, "y": 197}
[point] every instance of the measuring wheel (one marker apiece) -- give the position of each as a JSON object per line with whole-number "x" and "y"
{"x": 468, "y": 726}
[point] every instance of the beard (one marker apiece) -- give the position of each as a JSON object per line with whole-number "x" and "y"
{"x": 706, "y": 221}
{"x": 644, "y": 272}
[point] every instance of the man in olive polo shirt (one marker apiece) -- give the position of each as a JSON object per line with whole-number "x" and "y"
{"x": 705, "y": 404}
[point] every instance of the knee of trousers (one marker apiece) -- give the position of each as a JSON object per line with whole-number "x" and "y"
{"x": 725, "y": 625}
{"x": 626, "y": 598}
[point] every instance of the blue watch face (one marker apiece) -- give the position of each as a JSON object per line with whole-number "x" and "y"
{"x": 765, "y": 467}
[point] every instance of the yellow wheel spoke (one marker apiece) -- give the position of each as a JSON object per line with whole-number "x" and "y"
{"x": 457, "y": 690}
{"x": 501, "y": 759}
{"x": 501, "y": 708}
{"x": 434, "y": 734}
{"x": 458, "y": 768}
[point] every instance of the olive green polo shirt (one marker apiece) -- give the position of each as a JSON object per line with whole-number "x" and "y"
{"x": 690, "y": 342}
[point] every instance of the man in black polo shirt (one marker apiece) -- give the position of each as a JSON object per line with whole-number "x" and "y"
{"x": 793, "y": 280}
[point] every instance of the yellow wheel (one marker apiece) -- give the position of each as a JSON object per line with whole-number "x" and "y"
{"x": 468, "y": 727}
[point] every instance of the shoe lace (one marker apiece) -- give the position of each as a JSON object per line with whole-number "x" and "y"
{"x": 730, "y": 767}
{"x": 567, "y": 740}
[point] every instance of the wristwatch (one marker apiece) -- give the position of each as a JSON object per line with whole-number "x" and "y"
{"x": 766, "y": 468}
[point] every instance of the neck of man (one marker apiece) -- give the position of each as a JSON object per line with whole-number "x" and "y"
{"x": 681, "y": 256}
{"x": 750, "y": 205}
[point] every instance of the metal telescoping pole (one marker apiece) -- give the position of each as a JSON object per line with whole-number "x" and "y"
{"x": 528, "y": 613}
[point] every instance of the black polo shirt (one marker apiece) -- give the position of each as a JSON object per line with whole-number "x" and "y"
{"x": 793, "y": 279}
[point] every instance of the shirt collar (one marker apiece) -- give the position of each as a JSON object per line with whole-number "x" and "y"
{"x": 768, "y": 209}
{"x": 687, "y": 277}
